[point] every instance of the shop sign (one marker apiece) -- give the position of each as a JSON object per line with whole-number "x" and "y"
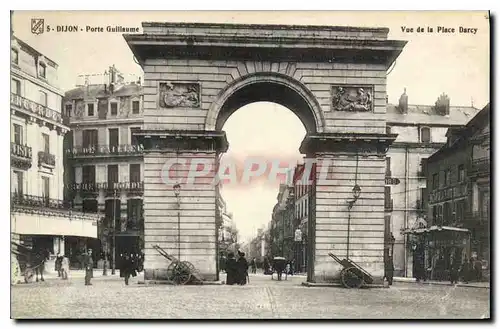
{"x": 36, "y": 108}
{"x": 392, "y": 181}
{"x": 298, "y": 235}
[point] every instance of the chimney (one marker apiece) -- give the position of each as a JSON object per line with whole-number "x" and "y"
{"x": 442, "y": 105}
{"x": 403, "y": 103}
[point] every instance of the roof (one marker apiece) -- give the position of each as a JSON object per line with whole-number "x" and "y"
{"x": 34, "y": 51}
{"x": 463, "y": 134}
{"x": 99, "y": 91}
{"x": 427, "y": 114}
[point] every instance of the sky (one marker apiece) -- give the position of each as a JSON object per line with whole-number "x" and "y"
{"x": 430, "y": 64}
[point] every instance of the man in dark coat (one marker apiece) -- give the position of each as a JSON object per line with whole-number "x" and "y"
{"x": 266, "y": 265}
{"x": 128, "y": 268}
{"x": 231, "y": 269}
{"x": 454, "y": 269}
{"x": 242, "y": 269}
{"x": 253, "y": 264}
{"x": 389, "y": 270}
{"x": 88, "y": 262}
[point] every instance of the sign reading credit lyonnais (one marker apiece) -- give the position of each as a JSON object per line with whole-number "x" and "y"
{"x": 36, "y": 108}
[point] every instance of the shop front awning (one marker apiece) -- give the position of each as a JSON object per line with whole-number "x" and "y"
{"x": 433, "y": 229}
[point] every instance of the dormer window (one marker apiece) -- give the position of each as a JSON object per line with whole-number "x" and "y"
{"x": 425, "y": 135}
{"x": 14, "y": 56}
{"x": 42, "y": 70}
{"x": 136, "y": 107}
{"x": 114, "y": 108}
{"x": 90, "y": 109}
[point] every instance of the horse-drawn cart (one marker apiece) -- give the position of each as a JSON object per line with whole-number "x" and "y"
{"x": 30, "y": 262}
{"x": 179, "y": 272}
{"x": 352, "y": 275}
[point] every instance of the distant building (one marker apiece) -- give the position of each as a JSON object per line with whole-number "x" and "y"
{"x": 225, "y": 223}
{"x": 40, "y": 218}
{"x": 104, "y": 160}
{"x": 282, "y": 228}
{"x": 458, "y": 180}
{"x": 421, "y": 131}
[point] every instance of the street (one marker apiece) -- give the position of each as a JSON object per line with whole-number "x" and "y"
{"x": 262, "y": 298}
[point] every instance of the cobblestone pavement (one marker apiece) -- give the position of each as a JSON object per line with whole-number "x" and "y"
{"x": 108, "y": 297}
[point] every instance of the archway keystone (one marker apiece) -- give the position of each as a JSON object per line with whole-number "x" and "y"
{"x": 333, "y": 78}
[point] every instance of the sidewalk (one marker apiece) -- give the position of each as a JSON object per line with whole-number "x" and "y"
{"x": 484, "y": 285}
{"x": 81, "y": 274}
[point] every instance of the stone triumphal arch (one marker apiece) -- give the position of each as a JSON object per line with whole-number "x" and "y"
{"x": 332, "y": 78}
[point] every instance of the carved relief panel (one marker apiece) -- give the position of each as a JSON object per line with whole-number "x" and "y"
{"x": 173, "y": 94}
{"x": 124, "y": 106}
{"x": 352, "y": 98}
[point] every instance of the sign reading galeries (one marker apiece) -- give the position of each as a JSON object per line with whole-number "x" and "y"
{"x": 36, "y": 108}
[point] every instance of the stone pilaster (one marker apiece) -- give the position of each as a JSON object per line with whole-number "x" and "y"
{"x": 184, "y": 226}
{"x": 344, "y": 160}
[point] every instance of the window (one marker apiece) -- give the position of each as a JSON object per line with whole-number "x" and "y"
{"x": 423, "y": 167}
{"x": 112, "y": 209}
{"x": 18, "y": 134}
{"x": 88, "y": 174}
{"x": 134, "y": 212}
{"x": 42, "y": 70}
{"x": 114, "y": 108}
{"x": 425, "y": 135}
{"x": 484, "y": 203}
{"x": 434, "y": 215}
{"x": 15, "y": 86}
{"x": 446, "y": 177}
{"x": 68, "y": 109}
{"x": 133, "y": 139}
{"x": 113, "y": 139}
{"x": 90, "y": 138}
{"x": 112, "y": 175}
{"x": 461, "y": 173}
{"x": 90, "y": 109}
{"x": 435, "y": 181}
{"x": 18, "y": 182}
{"x": 439, "y": 221}
{"x": 89, "y": 205}
{"x": 135, "y": 173}
{"x": 46, "y": 143}
{"x": 447, "y": 216}
{"x": 45, "y": 187}
{"x": 136, "y": 107}
{"x": 460, "y": 209}
{"x": 14, "y": 54}
{"x": 388, "y": 167}
{"x": 43, "y": 98}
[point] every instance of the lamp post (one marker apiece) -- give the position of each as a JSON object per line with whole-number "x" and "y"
{"x": 113, "y": 269}
{"x": 177, "y": 191}
{"x": 356, "y": 191}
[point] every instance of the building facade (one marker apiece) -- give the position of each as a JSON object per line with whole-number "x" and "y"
{"x": 282, "y": 228}
{"x": 105, "y": 164}
{"x": 458, "y": 178}
{"x": 40, "y": 219}
{"x": 421, "y": 131}
{"x": 225, "y": 224}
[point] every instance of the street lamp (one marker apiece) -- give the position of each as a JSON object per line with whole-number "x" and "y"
{"x": 356, "y": 192}
{"x": 113, "y": 269}
{"x": 177, "y": 191}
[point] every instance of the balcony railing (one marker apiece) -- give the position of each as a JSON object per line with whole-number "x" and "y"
{"x": 46, "y": 159}
{"x": 110, "y": 188}
{"x": 27, "y": 200}
{"x": 35, "y": 108}
{"x": 480, "y": 166}
{"x": 106, "y": 150}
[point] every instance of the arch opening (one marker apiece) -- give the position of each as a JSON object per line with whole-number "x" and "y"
{"x": 270, "y": 87}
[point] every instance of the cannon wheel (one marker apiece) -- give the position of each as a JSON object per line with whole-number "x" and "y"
{"x": 350, "y": 279}
{"x": 179, "y": 272}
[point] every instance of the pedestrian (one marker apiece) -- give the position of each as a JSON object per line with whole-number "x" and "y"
{"x": 292, "y": 267}
{"x": 389, "y": 270}
{"x": 127, "y": 268}
{"x": 266, "y": 265}
{"x": 88, "y": 262}
{"x": 64, "y": 267}
{"x": 478, "y": 270}
{"x": 242, "y": 268}
{"x": 253, "y": 264}
{"x": 58, "y": 265}
{"x": 231, "y": 269}
{"x": 454, "y": 269}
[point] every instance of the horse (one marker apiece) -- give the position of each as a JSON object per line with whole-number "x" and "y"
{"x": 39, "y": 259}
